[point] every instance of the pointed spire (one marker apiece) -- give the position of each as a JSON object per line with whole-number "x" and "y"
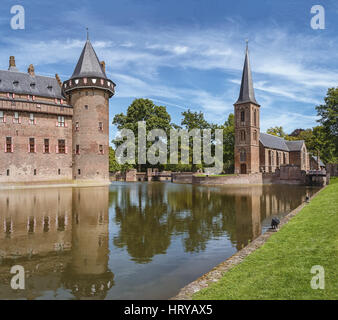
{"x": 88, "y": 64}
{"x": 247, "y": 93}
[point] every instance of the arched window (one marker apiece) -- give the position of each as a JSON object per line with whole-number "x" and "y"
{"x": 272, "y": 158}
{"x": 255, "y": 136}
{"x": 242, "y": 155}
{"x": 242, "y": 115}
{"x": 255, "y": 118}
{"x": 242, "y": 135}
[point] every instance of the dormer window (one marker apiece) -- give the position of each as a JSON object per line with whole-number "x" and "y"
{"x": 32, "y": 85}
{"x": 15, "y": 83}
{"x": 50, "y": 88}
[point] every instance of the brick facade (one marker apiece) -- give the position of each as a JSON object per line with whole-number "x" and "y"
{"x": 39, "y": 121}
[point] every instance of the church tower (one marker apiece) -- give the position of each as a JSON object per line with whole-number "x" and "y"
{"x": 89, "y": 91}
{"x": 247, "y": 124}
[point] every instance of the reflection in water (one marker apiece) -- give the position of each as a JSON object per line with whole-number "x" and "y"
{"x": 155, "y": 237}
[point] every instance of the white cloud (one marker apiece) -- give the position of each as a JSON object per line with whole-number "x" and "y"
{"x": 297, "y": 74}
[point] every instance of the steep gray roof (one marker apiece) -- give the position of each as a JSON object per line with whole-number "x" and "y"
{"x": 295, "y": 145}
{"x": 321, "y": 163}
{"x": 247, "y": 93}
{"x": 88, "y": 64}
{"x": 23, "y": 83}
{"x": 273, "y": 142}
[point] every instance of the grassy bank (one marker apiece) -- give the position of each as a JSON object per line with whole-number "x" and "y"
{"x": 280, "y": 269}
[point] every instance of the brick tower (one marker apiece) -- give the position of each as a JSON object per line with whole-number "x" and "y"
{"x": 247, "y": 124}
{"x": 89, "y": 91}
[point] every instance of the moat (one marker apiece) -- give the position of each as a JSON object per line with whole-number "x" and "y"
{"x": 129, "y": 240}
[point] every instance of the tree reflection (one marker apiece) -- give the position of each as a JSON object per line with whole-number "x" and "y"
{"x": 149, "y": 215}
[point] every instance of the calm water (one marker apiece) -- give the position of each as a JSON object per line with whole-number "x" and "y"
{"x": 129, "y": 241}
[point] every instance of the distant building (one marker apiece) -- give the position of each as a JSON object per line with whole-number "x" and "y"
{"x": 255, "y": 151}
{"x": 54, "y": 131}
{"x": 315, "y": 164}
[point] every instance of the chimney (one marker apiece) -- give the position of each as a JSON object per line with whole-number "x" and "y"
{"x": 12, "y": 62}
{"x": 31, "y": 70}
{"x": 58, "y": 80}
{"x": 103, "y": 66}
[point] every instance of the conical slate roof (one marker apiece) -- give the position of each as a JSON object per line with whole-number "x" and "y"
{"x": 247, "y": 93}
{"x": 88, "y": 64}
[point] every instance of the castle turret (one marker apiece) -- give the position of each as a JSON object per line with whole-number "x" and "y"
{"x": 246, "y": 124}
{"x": 89, "y": 91}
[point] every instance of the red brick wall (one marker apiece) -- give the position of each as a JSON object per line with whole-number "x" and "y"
{"x": 251, "y": 143}
{"x": 92, "y": 164}
{"x": 21, "y": 163}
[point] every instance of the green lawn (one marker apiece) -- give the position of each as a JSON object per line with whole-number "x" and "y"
{"x": 280, "y": 269}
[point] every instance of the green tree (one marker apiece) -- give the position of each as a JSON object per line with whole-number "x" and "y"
{"x": 328, "y": 113}
{"x": 229, "y": 143}
{"x": 114, "y": 166}
{"x": 155, "y": 117}
{"x": 194, "y": 120}
{"x": 277, "y": 131}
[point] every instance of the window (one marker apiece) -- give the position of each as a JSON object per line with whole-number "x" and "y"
{"x": 2, "y": 117}
{"x": 31, "y": 146}
{"x": 61, "y": 121}
{"x": 77, "y": 126}
{"x": 31, "y": 225}
{"x": 32, "y": 119}
{"x": 59, "y": 171}
{"x": 242, "y": 155}
{"x": 255, "y": 118}
{"x": 86, "y": 106}
{"x": 101, "y": 149}
{"x": 7, "y": 172}
{"x": 45, "y": 224}
{"x": 242, "y": 135}
{"x": 9, "y": 145}
{"x": 242, "y": 116}
{"x": 100, "y": 126}
{"x": 77, "y": 149}
{"x": 35, "y": 172}
{"x": 284, "y": 158}
{"x": 46, "y": 146}
{"x": 255, "y": 136}
{"x": 272, "y": 158}
{"x": 79, "y": 172}
{"x": 16, "y": 118}
{"x": 278, "y": 158}
{"x": 61, "y": 148}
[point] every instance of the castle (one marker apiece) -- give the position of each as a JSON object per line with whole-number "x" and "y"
{"x": 256, "y": 151}
{"x": 54, "y": 131}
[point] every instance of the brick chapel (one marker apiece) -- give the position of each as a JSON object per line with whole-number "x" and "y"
{"x": 256, "y": 151}
{"x": 55, "y": 131}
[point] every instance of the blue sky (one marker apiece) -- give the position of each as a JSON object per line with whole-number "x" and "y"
{"x": 187, "y": 54}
